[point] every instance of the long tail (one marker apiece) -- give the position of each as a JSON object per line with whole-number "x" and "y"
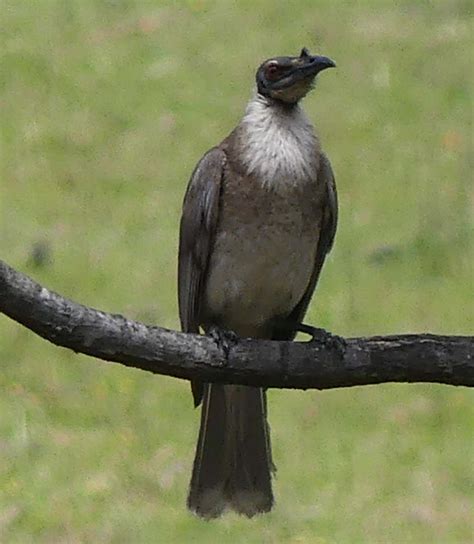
{"x": 232, "y": 467}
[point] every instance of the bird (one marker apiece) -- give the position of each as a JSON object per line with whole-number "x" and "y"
{"x": 259, "y": 217}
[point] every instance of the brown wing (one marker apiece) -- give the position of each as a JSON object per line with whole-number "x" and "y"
{"x": 198, "y": 225}
{"x": 325, "y": 242}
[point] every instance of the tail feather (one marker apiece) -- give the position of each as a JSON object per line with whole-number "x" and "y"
{"x": 232, "y": 467}
{"x": 206, "y": 491}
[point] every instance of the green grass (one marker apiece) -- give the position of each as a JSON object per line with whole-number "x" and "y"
{"x": 105, "y": 108}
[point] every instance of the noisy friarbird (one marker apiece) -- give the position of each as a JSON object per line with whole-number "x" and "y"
{"x": 259, "y": 217}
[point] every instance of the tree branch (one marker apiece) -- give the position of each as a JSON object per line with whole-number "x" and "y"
{"x": 300, "y": 365}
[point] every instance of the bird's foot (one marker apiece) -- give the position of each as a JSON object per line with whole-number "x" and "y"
{"x": 223, "y": 338}
{"x": 322, "y": 336}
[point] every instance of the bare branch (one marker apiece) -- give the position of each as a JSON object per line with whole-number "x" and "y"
{"x": 301, "y": 365}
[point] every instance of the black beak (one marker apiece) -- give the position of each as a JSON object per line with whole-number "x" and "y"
{"x": 309, "y": 65}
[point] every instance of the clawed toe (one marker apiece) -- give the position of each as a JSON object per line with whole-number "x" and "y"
{"x": 224, "y": 339}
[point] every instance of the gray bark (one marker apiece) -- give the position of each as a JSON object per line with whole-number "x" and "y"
{"x": 299, "y": 365}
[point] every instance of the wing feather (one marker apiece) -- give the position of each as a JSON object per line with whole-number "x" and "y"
{"x": 198, "y": 225}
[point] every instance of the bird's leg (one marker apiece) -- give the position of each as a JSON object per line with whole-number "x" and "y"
{"x": 224, "y": 338}
{"x": 322, "y": 336}
{"x": 317, "y": 334}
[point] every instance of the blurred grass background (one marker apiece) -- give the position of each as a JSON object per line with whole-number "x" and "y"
{"x": 105, "y": 108}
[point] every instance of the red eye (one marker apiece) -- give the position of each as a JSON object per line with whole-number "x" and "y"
{"x": 271, "y": 71}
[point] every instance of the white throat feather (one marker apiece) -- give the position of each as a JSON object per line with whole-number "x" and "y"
{"x": 277, "y": 145}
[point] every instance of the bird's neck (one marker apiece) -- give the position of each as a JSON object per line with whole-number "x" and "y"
{"x": 277, "y": 144}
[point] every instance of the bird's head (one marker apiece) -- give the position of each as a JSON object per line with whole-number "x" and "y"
{"x": 289, "y": 79}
